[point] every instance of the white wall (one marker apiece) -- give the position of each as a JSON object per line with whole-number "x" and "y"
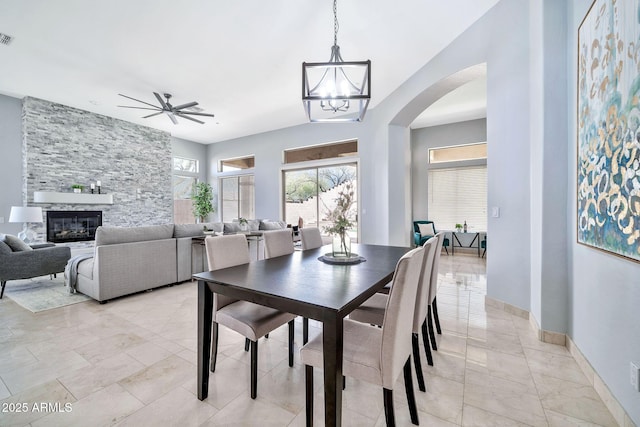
{"x": 604, "y": 294}
{"x": 11, "y": 154}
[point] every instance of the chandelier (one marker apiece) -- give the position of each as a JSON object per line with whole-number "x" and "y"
{"x": 338, "y": 90}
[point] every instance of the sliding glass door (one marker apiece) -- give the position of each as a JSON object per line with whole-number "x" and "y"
{"x": 311, "y": 194}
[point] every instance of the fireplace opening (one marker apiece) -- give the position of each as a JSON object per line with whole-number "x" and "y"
{"x": 72, "y": 226}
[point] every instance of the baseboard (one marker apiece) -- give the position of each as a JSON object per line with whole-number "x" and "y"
{"x": 612, "y": 404}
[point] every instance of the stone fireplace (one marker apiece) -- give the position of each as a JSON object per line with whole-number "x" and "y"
{"x": 72, "y": 226}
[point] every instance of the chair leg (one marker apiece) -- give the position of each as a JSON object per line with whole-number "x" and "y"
{"x": 214, "y": 346}
{"x": 435, "y": 315}
{"x": 291, "y": 337}
{"x": 308, "y": 394}
{"x": 411, "y": 398}
{"x": 4, "y": 283}
{"x": 425, "y": 341}
{"x": 254, "y": 369}
{"x": 416, "y": 362}
{"x": 432, "y": 334}
{"x": 247, "y": 342}
{"x": 388, "y": 407}
{"x": 305, "y": 330}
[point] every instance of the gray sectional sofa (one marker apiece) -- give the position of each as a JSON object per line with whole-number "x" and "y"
{"x": 133, "y": 259}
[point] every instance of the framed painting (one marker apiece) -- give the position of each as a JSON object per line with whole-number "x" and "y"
{"x": 608, "y": 169}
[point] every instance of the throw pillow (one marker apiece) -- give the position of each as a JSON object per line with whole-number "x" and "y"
{"x": 426, "y": 230}
{"x": 16, "y": 244}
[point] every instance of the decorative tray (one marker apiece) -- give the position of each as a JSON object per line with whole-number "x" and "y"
{"x": 328, "y": 258}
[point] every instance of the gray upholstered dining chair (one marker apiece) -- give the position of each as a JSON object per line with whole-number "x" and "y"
{"x": 433, "y": 306}
{"x": 372, "y": 311}
{"x": 279, "y": 243}
{"x": 248, "y": 319}
{"x": 377, "y": 355}
{"x": 311, "y": 238}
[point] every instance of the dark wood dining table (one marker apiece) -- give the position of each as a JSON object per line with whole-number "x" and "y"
{"x": 300, "y": 284}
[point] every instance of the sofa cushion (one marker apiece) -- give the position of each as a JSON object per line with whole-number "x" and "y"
{"x": 85, "y": 268}
{"x": 192, "y": 230}
{"x": 115, "y": 235}
{"x": 272, "y": 225}
{"x": 15, "y": 243}
{"x": 231, "y": 227}
{"x": 4, "y": 248}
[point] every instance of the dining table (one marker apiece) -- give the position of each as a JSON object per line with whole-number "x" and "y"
{"x": 301, "y": 284}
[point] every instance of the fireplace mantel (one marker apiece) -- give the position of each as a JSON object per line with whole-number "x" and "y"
{"x": 72, "y": 198}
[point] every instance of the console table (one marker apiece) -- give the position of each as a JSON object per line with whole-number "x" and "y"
{"x": 455, "y": 241}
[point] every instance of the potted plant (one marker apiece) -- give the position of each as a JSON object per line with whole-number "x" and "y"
{"x": 244, "y": 223}
{"x": 202, "y": 201}
{"x": 459, "y": 228}
{"x": 341, "y": 218}
{"x": 77, "y": 188}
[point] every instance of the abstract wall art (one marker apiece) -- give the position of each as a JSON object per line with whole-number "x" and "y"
{"x": 608, "y": 164}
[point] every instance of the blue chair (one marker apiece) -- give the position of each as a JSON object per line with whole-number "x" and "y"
{"x": 419, "y": 239}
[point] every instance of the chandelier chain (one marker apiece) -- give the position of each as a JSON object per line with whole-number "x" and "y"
{"x": 335, "y": 22}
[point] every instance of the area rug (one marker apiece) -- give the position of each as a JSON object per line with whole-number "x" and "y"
{"x": 40, "y": 293}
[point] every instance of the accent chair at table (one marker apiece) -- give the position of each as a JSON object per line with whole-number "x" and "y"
{"x": 372, "y": 310}
{"x": 311, "y": 238}
{"x": 377, "y": 355}
{"x": 251, "y": 320}
{"x": 279, "y": 243}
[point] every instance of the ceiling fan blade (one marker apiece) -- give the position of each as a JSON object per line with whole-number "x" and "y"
{"x": 161, "y": 101}
{"x": 172, "y": 117}
{"x": 182, "y": 115}
{"x": 154, "y": 114}
{"x": 197, "y": 114}
{"x": 137, "y": 100}
{"x": 141, "y": 108}
{"x": 187, "y": 105}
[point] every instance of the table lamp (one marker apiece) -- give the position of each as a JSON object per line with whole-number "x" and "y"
{"x": 26, "y": 214}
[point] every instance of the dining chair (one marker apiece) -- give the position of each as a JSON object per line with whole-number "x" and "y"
{"x": 433, "y": 305}
{"x": 377, "y": 355}
{"x": 311, "y": 238}
{"x": 372, "y": 311}
{"x": 248, "y": 319}
{"x": 278, "y": 243}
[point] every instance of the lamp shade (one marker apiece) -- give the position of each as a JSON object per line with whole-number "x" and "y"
{"x": 25, "y": 214}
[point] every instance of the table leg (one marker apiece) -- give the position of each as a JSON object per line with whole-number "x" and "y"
{"x": 332, "y": 335}
{"x": 205, "y": 314}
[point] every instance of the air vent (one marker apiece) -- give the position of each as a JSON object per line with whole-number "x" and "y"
{"x": 5, "y": 39}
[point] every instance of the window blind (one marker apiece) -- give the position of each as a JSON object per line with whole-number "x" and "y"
{"x": 457, "y": 195}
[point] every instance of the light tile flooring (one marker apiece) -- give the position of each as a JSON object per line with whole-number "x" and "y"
{"x": 132, "y": 362}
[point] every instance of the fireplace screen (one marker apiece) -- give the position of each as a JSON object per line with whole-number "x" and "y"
{"x": 72, "y": 226}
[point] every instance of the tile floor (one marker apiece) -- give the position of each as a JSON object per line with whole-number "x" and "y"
{"x": 132, "y": 362}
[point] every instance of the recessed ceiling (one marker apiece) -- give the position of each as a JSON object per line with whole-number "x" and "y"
{"x": 240, "y": 60}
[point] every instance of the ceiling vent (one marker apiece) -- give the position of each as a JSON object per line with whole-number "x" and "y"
{"x": 5, "y": 39}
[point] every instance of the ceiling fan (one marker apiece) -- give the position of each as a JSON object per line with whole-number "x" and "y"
{"x": 171, "y": 111}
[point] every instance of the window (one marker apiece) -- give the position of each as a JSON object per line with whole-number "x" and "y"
{"x": 238, "y": 197}
{"x": 458, "y": 153}
{"x": 319, "y": 152}
{"x": 237, "y": 164}
{"x": 311, "y": 194}
{"x": 185, "y": 177}
{"x": 457, "y": 195}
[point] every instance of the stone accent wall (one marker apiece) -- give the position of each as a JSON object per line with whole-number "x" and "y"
{"x": 64, "y": 146}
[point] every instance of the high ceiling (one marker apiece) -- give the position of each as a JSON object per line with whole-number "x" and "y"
{"x": 241, "y": 60}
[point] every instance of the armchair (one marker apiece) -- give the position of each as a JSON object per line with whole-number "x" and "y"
{"x": 419, "y": 239}
{"x": 37, "y": 260}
